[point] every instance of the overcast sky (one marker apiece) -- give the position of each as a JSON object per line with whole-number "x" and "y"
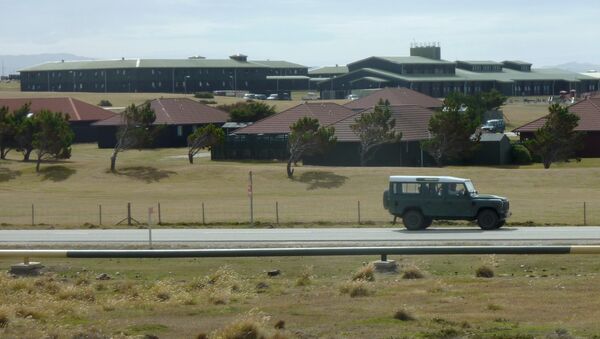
{"x": 309, "y": 32}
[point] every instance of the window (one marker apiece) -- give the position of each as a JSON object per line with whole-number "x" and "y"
{"x": 410, "y": 188}
{"x": 179, "y": 130}
{"x": 153, "y": 84}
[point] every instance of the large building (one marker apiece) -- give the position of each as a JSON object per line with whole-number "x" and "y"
{"x": 426, "y": 72}
{"x": 191, "y": 75}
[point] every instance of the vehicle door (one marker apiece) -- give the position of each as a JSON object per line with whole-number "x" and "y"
{"x": 457, "y": 202}
{"x": 406, "y": 194}
{"x": 432, "y": 202}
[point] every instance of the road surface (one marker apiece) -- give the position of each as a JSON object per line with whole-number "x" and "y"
{"x": 307, "y": 236}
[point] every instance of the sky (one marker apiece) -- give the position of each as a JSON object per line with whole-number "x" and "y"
{"x": 308, "y": 32}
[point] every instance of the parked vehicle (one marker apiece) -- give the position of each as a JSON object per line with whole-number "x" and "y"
{"x": 352, "y": 97}
{"x": 311, "y": 96}
{"x": 273, "y": 97}
{"x": 419, "y": 200}
{"x": 494, "y": 126}
{"x": 260, "y": 96}
{"x": 279, "y": 96}
{"x": 249, "y": 96}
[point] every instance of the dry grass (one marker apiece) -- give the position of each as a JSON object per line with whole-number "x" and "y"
{"x": 412, "y": 272}
{"x": 329, "y": 193}
{"x": 484, "y": 272}
{"x": 534, "y": 287}
{"x": 404, "y": 315}
{"x": 306, "y": 276}
{"x": 365, "y": 273}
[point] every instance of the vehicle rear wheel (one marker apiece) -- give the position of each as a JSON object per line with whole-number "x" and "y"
{"x": 427, "y": 222}
{"x": 500, "y": 223}
{"x": 413, "y": 220}
{"x": 487, "y": 219}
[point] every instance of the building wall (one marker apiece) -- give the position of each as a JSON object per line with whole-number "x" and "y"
{"x": 169, "y": 80}
{"x": 167, "y": 136}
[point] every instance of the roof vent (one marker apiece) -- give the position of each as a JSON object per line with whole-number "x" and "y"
{"x": 122, "y": 58}
{"x": 239, "y": 57}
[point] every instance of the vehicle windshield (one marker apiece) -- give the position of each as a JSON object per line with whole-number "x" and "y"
{"x": 470, "y": 187}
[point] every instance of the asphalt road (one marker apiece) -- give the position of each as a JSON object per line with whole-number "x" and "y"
{"x": 306, "y": 236}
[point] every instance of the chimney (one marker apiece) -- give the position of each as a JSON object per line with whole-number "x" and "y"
{"x": 122, "y": 58}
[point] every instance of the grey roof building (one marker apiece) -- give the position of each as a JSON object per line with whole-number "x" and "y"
{"x": 425, "y": 72}
{"x": 166, "y": 75}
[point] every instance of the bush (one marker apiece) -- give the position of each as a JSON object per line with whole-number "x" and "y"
{"x": 355, "y": 289}
{"x": 203, "y": 95}
{"x": 403, "y": 315}
{"x": 208, "y": 102}
{"x": 105, "y": 103}
{"x": 366, "y": 273}
{"x": 305, "y": 277}
{"x": 484, "y": 272}
{"x": 520, "y": 155}
{"x": 412, "y": 273}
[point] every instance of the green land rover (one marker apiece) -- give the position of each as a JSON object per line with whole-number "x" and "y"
{"x": 419, "y": 200}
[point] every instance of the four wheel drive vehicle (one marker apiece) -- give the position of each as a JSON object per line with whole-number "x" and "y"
{"x": 494, "y": 126}
{"x": 352, "y": 97}
{"x": 249, "y": 96}
{"x": 260, "y": 96}
{"x": 419, "y": 200}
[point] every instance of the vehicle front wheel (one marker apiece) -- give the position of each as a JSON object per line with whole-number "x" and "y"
{"x": 500, "y": 223}
{"x": 487, "y": 219}
{"x": 413, "y": 220}
{"x": 427, "y": 222}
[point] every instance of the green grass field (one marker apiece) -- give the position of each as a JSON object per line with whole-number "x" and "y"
{"x": 68, "y": 194}
{"x": 529, "y": 297}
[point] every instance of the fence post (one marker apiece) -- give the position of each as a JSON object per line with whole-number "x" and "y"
{"x": 359, "y": 212}
{"x": 100, "y": 214}
{"x": 159, "y": 215}
{"x": 584, "y": 215}
{"x": 150, "y": 211}
{"x": 129, "y": 213}
{"x": 203, "y": 215}
{"x": 277, "y": 212}
{"x": 32, "y": 215}
{"x": 251, "y": 194}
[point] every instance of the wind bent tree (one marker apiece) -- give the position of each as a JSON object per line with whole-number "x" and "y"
{"x": 52, "y": 137}
{"x": 204, "y": 137}
{"x": 375, "y": 129}
{"x": 135, "y": 130}
{"x": 557, "y": 140}
{"x": 307, "y": 137}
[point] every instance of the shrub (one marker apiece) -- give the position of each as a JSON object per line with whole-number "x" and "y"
{"x": 412, "y": 273}
{"x": 305, "y": 277}
{"x": 365, "y": 273}
{"x": 208, "y": 102}
{"x": 105, "y": 103}
{"x": 355, "y": 289}
{"x": 246, "y": 329}
{"x": 403, "y": 315}
{"x": 484, "y": 272}
{"x": 204, "y": 95}
{"x": 520, "y": 155}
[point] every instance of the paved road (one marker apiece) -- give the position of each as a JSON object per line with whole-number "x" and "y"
{"x": 337, "y": 236}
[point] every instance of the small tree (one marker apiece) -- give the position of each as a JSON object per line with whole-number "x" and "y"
{"x": 207, "y": 136}
{"x": 308, "y": 137}
{"x": 375, "y": 129}
{"x": 557, "y": 140}
{"x": 53, "y": 136}
{"x": 454, "y": 133}
{"x": 6, "y": 132}
{"x": 250, "y": 111}
{"x": 23, "y": 128}
{"x": 135, "y": 130}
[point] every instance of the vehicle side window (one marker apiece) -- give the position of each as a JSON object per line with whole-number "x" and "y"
{"x": 455, "y": 190}
{"x": 395, "y": 188}
{"x": 411, "y": 188}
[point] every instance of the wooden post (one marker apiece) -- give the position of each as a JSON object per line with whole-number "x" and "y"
{"x": 32, "y": 215}
{"x": 277, "y": 212}
{"x": 150, "y": 211}
{"x": 251, "y": 195}
{"x": 203, "y": 215}
{"x": 159, "y": 215}
{"x": 359, "y": 212}
{"x": 129, "y": 213}
{"x": 584, "y": 215}
{"x": 100, "y": 214}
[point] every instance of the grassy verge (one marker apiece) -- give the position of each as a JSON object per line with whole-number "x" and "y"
{"x": 70, "y": 193}
{"x": 529, "y": 296}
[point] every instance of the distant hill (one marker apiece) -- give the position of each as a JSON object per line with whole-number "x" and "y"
{"x": 13, "y": 63}
{"x": 578, "y": 67}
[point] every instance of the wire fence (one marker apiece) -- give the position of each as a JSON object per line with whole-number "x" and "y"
{"x": 290, "y": 210}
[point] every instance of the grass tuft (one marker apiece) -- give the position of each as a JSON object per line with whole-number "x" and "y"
{"x": 484, "y": 272}
{"x": 4, "y": 317}
{"x": 413, "y": 273}
{"x": 365, "y": 273}
{"x": 404, "y": 315}
{"x": 355, "y": 289}
{"x": 306, "y": 276}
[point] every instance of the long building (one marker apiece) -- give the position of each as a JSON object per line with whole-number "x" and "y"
{"x": 191, "y": 75}
{"x": 426, "y": 72}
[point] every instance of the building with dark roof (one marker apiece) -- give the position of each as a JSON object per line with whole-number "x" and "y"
{"x": 396, "y": 97}
{"x": 424, "y": 71}
{"x": 589, "y": 123}
{"x": 412, "y": 122}
{"x": 267, "y": 139}
{"x": 179, "y": 117}
{"x": 81, "y": 114}
{"x": 166, "y": 75}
